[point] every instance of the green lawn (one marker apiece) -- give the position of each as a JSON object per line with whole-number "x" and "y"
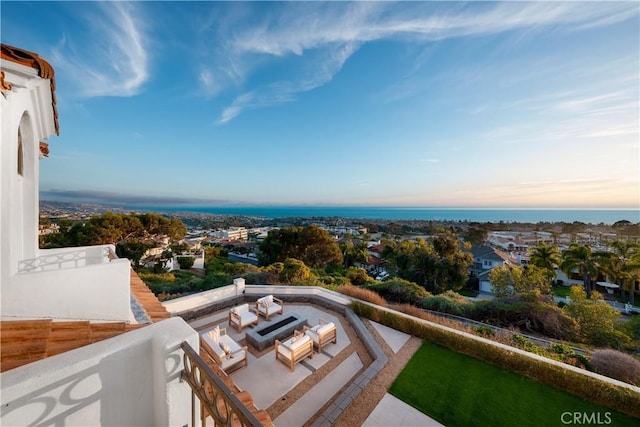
{"x": 458, "y": 390}
{"x": 561, "y": 291}
{"x": 468, "y": 292}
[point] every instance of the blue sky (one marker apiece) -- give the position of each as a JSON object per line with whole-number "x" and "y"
{"x": 517, "y": 104}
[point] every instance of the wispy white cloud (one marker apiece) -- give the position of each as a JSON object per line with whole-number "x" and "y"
{"x": 113, "y": 60}
{"x": 298, "y": 29}
{"x": 280, "y": 92}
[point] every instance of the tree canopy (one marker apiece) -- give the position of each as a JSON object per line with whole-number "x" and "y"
{"x": 311, "y": 245}
{"x": 113, "y": 228}
{"x": 438, "y": 265}
{"x": 580, "y": 257}
{"x": 507, "y": 280}
{"x": 596, "y": 319}
{"x": 545, "y": 256}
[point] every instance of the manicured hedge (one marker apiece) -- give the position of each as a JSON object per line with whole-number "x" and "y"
{"x": 584, "y": 386}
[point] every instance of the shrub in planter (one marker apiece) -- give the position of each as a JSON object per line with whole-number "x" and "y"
{"x": 485, "y": 331}
{"x": 363, "y": 294}
{"x": 617, "y": 365}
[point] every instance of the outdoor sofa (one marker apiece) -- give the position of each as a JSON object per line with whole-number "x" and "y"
{"x": 227, "y": 353}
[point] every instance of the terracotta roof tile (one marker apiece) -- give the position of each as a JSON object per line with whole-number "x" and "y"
{"x": 45, "y": 71}
{"x": 44, "y": 149}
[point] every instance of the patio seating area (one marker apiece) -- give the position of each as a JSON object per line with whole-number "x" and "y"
{"x": 296, "y": 396}
{"x": 267, "y": 379}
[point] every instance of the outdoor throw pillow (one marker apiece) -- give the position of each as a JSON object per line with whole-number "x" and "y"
{"x": 215, "y": 334}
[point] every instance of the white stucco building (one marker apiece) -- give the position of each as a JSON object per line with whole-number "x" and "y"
{"x": 59, "y": 305}
{"x": 232, "y": 233}
{"x": 71, "y": 283}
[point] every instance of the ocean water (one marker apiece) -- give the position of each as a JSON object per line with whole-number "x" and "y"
{"x": 588, "y": 216}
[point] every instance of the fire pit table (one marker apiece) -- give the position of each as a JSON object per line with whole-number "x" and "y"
{"x": 265, "y": 335}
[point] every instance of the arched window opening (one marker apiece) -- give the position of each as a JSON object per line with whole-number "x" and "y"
{"x": 20, "y": 154}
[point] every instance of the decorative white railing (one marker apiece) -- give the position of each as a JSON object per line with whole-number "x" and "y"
{"x": 68, "y": 259}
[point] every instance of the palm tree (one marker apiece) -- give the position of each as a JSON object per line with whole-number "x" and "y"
{"x": 634, "y": 274}
{"x": 580, "y": 257}
{"x": 545, "y": 256}
{"x": 620, "y": 263}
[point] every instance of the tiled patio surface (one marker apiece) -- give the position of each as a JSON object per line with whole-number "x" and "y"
{"x": 270, "y": 381}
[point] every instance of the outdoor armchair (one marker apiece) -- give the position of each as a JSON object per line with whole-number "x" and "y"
{"x": 242, "y": 316}
{"x": 269, "y": 305}
{"x": 294, "y": 350}
{"x": 322, "y": 334}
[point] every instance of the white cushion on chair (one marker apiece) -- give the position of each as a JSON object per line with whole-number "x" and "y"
{"x": 229, "y": 342}
{"x": 287, "y": 347}
{"x": 324, "y": 328}
{"x": 215, "y": 346}
{"x": 265, "y": 301}
{"x": 298, "y": 343}
{"x": 240, "y": 309}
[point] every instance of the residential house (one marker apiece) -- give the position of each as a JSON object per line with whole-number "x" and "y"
{"x": 485, "y": 259}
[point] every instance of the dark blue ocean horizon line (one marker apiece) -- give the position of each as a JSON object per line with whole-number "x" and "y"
{"x": 528, "y": 215}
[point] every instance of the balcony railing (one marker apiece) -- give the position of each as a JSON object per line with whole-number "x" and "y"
{"x": 68, "y": 259}
{"x": 216, "y": 399}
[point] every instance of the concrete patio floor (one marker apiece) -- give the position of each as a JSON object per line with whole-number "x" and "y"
{"x": 271, "y": 382}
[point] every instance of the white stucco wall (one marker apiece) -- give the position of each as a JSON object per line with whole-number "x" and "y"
{"x": 27, "y": 106}
{"x": 92, "y": 292}
{"x": 129, "y": 380}
{"x": 560, "y": 275}
{"x": 203, "y": 299}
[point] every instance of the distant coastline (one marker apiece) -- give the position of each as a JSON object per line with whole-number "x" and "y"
{"x": 587, "y": 216}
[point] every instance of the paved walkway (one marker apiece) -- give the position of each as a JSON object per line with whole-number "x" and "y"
{"x": 298, "y": 413}
{"x": 392, "y": 411}
{"x": 394, "y": 338}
